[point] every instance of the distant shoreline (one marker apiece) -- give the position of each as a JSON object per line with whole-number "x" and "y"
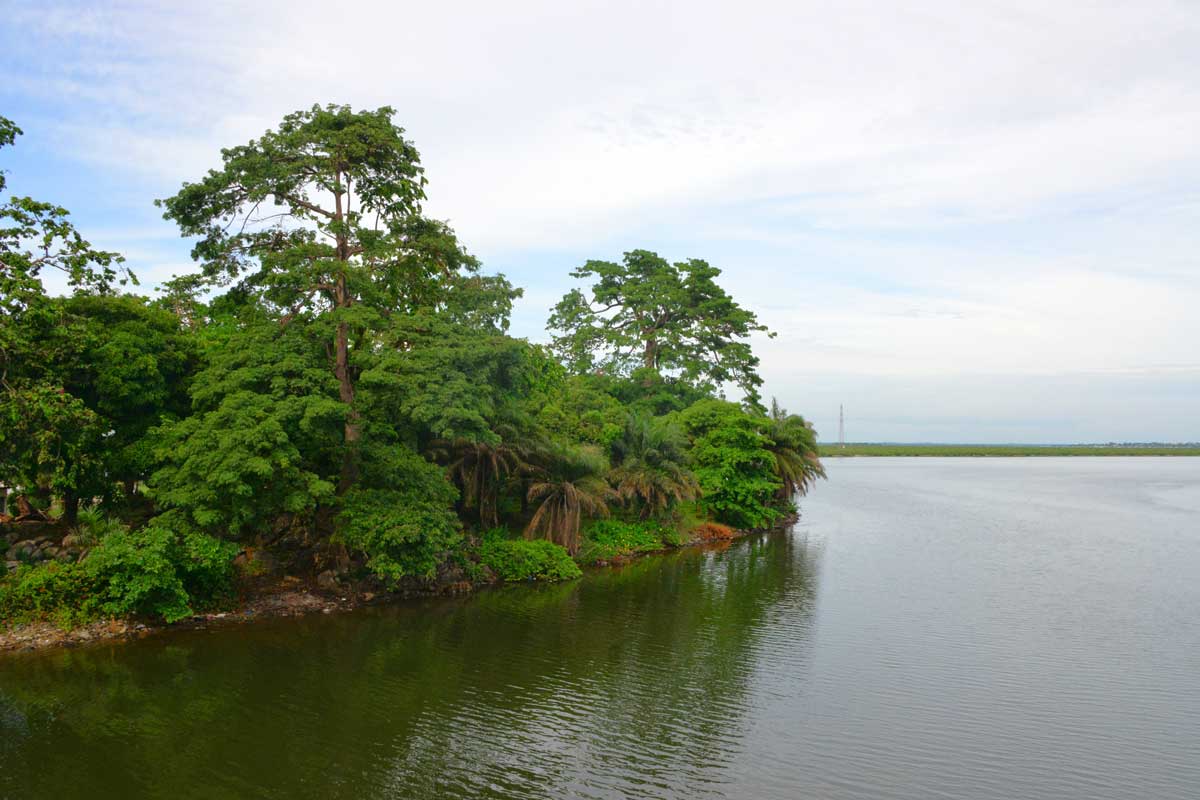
{"x": 850, "y": 450}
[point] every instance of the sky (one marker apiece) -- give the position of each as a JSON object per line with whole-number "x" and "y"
{"x": 967, "y": 222}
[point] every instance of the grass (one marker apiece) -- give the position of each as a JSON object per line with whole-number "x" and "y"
{"x": 1030, "y": 450}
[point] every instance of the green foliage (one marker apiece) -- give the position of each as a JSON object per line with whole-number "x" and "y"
{"x": 731, "y": 459}
{"x": 239, "y": 466}
{"x": 650, "y": 472}
{"x": 50, "y": 440}
{"x": 1005, "y": 450}
{"x": 580, "y": 409}
{"x": 407, "y": 530}
{"x": 570, "y": 490}
{"x": 84, "y": 377}
{"x": 153, "y": 572}
{"x": 666, "y": 318}
{"x": 606, "y": 539}
{"x": 333, "y": 339}
{"x": 93, "y": 524}
{"x": 65, "y": 593}
{"x": 794, "y": 446}
{"x": 136, "y": 574}
{"x": 525, "y": 560}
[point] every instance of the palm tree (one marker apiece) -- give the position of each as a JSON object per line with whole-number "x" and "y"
{"x": 480, "y": 469}
{"x": 570, "y": 489}
{"x": 794, "y": 446}
{"x": 649, "y": 466}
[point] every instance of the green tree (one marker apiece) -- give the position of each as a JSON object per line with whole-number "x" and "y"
{"x": 265, "y": 438}
{"x": 321, "y": 220}
{"x": 52, "y": 442}
{"x": 648, "y": 313}
{"x": 571, "y": 488}
{"x": 649, "y": 469}
{"x": 794, "y": 446}
{"x": 731, "y": 458}
{"x": 36, "y": 236}
{"x": 51, "y": 445}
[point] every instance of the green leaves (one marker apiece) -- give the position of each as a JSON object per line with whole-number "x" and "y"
{"x": 239, "y": 466}
{"x": 405, "y": 529}
{"x": 51, "y": 442}
{"x": 520, "y": 560}
{"x": 160, "y": 571}
{"x": 794, "y": 446}
{"x": 731, "y": 459}
{"x": 666, "y": 318}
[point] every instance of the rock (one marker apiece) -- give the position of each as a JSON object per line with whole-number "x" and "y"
{"x": 12, "y": 566}
{"x": 368, "y": 597}
{"x": 328, "y": 581}
{"x": 70, "y": 540}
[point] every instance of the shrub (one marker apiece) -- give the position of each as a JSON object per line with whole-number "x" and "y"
{"x": 403, "y": 531}
{"x": 92, "y": 525}
{"x": 400, "y": 532}
{"x": 65, "y": 592}
{"x": 523, "y": 560}
{"x": 713, "y": 532}
{"x": 610, "y": 538}
{"x": 730, "y": 458}
{"x": 152, "y": 571}
{"x": 134, "y": 573}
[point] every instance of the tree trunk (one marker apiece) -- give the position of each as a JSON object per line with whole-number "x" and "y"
{"x": 353, "y": 430}
{"x": 341, "y": 368}
{"x": 70, "y": 508}
{"x": 650, "y": 360}
{"x": 650, "y": 354}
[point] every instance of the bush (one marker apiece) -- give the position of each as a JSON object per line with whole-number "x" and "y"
{"x": 401, "y": 533}
{"x": 92, "y": 525}
{"x": 610, "y": 538}
{"x": 523, "y": 560}
{"x": 713, "y": 532}
{"x": 404, "y": 531}
{"x": 731, "y": 460}
{"x": 153, "y": 572}
{"x": 64, "y": 592}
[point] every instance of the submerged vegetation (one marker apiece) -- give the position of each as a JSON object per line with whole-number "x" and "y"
{"x": 334, "y": 393}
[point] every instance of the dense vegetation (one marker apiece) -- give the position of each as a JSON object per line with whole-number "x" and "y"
{"x": 1031, "y": 450}
{"x": 334, "y": 391}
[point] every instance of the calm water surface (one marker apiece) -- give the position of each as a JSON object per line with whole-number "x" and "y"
{"x": 957, "y": 628}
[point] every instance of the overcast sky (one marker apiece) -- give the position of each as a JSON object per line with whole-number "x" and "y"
{"x": 972, "y": 222}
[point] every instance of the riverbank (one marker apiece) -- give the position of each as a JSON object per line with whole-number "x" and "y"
{"x": 1003, "y": 450}
{"x": 292, "y": 596}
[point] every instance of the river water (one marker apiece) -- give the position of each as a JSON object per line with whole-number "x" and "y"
{"x": 933, "y": 628}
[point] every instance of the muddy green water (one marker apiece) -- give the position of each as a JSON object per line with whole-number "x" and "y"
{"x": 1001, "y": 628}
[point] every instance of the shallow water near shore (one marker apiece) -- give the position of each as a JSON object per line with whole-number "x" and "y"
{"x": 932, "y": 627}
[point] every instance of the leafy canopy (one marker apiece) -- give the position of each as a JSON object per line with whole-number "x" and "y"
{"x": 731, "y": 458}
{"x": 665, "y": 318}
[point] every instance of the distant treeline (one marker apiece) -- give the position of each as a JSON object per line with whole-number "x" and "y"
{"x": 977, "y": 450}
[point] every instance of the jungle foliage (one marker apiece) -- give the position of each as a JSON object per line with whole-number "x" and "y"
{"x": 336, "y": 379}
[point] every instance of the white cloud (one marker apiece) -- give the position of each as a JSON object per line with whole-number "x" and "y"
{"x": 931, "y": 189}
